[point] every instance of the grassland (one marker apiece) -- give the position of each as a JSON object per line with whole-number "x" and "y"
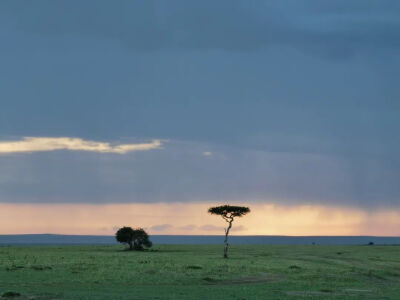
{"x": 199, "y": 272}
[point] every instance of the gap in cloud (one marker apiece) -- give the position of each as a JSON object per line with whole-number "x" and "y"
{"x": 193, "y": 219}
{"x": 40, "y": 144}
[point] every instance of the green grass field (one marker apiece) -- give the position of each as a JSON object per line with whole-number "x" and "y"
{"x": 200, "y": 272}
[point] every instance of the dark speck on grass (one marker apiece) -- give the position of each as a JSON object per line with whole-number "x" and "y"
{"x": 194, "y": 267}
{"x": 339, "y": 253}
{"x": 326, "y": 290}
{"x": 209, "y": 279}
{"x": 294, "y": 267}
{"x": 14, "y": 268}
{"x": 41, "y": 268}
{"x": 10, "y": 295}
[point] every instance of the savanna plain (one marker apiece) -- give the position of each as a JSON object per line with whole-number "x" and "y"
{"x": 200, "y": 272}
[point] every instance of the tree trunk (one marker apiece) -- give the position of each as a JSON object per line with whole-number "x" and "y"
{"x": 130, "y": 245}
{"x": 226, "y": 245}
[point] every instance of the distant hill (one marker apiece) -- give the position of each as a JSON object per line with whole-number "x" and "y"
{"x": 56, "y": 239}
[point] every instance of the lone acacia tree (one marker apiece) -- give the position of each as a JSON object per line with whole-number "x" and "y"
{"x": 137, "y": 238}
{"x": 228, "y": 213}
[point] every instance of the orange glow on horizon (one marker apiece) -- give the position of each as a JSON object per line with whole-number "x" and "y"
{"x": 193, "y": 219}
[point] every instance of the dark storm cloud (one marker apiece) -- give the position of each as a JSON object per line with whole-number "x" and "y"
{"x": 297, "y": 101}
{"x": 329, "y": 29}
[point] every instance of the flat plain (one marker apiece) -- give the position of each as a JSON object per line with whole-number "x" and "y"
{"x": 200, "y": 272}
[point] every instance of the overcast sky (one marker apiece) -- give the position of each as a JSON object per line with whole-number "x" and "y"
{"x": 288, "y": 102}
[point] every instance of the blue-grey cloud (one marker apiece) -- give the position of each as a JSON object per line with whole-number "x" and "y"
{"x": 329, "y": 29}
{"x": 189, "y": 227}
{"x": 180, "y": 173}
{"x": 296, "y": 101}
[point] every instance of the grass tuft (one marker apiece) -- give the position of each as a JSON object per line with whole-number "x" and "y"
{"x": 10, "y": 295}
{"x": 194, "y": 267}
{"x": 294, "y": 267}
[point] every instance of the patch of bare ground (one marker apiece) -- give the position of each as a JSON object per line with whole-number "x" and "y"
{"x": 308, "y": 293}
{"x": 18, "y": 296}
{"x": 256, "y": 279}
{"x": 325, "y": 292}
{"x": 357, "y": 290}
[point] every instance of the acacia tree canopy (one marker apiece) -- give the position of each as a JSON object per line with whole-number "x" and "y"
{"x": 228, "y": 211}
{"x": 136, "y": 238}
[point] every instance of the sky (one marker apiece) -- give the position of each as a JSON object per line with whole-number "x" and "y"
{"x": 120, "y": 112}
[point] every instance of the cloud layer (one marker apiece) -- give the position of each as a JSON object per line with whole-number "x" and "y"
{"x": 40, "y": 144}
{"x": 323, "y": 28}
{"x": 181, "y": 172}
